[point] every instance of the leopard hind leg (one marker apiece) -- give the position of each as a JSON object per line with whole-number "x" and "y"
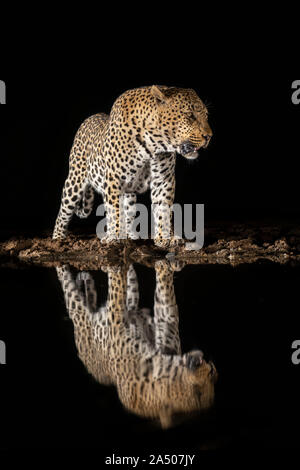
{"x": 71, "y": 197}
{"x": 85, "y": 205}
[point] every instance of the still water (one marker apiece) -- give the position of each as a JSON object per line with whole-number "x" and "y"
{"x": 133, "y": 358}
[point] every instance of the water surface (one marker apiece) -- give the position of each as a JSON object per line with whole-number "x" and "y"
{"x": 66, "y": 383}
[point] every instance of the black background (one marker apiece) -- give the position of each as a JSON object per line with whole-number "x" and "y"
{"x": 249, "y": 171}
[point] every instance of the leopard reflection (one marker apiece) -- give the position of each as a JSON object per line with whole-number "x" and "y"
{"x": 123, "y": 345}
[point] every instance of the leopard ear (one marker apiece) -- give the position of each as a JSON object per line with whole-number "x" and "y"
{"x": 158, "y": 94}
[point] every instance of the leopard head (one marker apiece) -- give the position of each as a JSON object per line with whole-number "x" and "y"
{"x": 181, "y": 120}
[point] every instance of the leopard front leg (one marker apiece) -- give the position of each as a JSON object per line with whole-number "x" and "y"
{"x": 129, "y": 204}
{"x": 162, "y": 187}
{"x": 113, "y": 201}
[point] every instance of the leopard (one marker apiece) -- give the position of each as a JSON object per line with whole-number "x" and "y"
{"x": 123, "y": 345}
{"x": 129, "y": 151}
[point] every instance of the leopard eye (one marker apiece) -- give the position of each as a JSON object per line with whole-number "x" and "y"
{"x": 191, "y": 116}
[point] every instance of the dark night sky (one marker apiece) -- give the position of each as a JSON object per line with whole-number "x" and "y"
{"x": 251, "y": 168}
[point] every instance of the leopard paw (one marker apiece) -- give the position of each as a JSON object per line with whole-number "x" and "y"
{"x": 168, "y": 243}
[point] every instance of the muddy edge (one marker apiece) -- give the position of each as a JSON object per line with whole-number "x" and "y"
{"x": 224, "y": 244}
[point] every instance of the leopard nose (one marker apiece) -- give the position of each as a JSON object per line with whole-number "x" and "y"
{"x": 194, "y": 359}
{"x": 207, "y": 138}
